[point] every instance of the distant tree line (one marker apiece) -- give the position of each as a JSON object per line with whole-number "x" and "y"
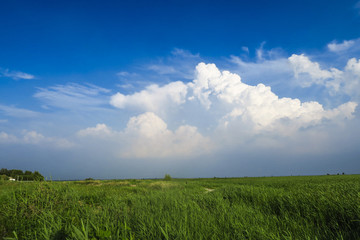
{"x": 20, "y": 175}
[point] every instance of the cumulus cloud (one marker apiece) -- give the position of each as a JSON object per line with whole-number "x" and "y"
{"x": 310, "y": 72}
{"x": 100, "y": 130}
{"x": 151, "y": 138}
{"x": 147, "y": 136}
{"x": 153, "y": 98}
{"x": 257, "y": 105}
{"x": 345, "y": 81}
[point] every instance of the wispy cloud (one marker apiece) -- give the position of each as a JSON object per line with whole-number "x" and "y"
{"x": 357, "y": 6}
{"x": 16, "y": 75}
{"x": 74, "y": 96}
{"x": 35, "y": 138}
{"x": 179, "y": 65}
{"x": 17, "y": 112}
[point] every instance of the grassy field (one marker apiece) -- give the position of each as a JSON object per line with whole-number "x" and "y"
{"x": 309, "y": 207}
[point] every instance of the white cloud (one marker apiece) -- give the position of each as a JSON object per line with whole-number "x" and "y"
{"x": 257, "y": 105}
{"x": 150, "y": 137}
{"x": 337, "y": 81}
{"x": 313, "y": 73}
{"x": 153, "y": 98}
{"x": 162, "y": 69}
{"x": 178, "y": 52}
{"x": 245, "y": 49}
{"x": 17, "y": 112}
{"x": 126, "y": 74}
{"x": 7, "y": 138}
{"x": 339, "y": 47}
{"x": 147, "y": 136}
{"x": 180, "y": 65}
{"x": 16, "y": 75}
{"x": 100, "y": 130}
{"x": 274, "y": 69}
{"x": 73, "y": 96}
{"x": 35, "y": 138}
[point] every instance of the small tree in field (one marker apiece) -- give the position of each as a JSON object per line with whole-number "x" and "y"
{"x": 167, "y": 177}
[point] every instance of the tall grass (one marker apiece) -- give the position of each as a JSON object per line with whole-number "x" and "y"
{"x": 323, "y": 207}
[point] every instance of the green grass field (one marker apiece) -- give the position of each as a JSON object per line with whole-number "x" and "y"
{"x": 309, "y": 207}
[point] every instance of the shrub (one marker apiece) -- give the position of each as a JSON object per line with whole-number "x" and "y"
{"x": 4, "y": 177}
{"x": 167, "y": 177}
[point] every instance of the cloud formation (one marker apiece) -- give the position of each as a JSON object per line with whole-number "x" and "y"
{"x": 16, "y": 75}
{"x": 258, "y": 105}
{"x": 346, "y": 81}
{"x": 233, "y": 104}
{"x": 35, "y": 138}
{"x": 153, "y": 98}
{"x": 339, "y": 47}
{"x": 17, "y": 112}
{"x": 198, "y": 111}
{"x": 73, "y": 96}
{"x": 147, "y": 136}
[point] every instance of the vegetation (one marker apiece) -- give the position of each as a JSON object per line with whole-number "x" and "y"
{"x": 167, "y": 177}
{"x": 4, "y": 177}
{"x": 21, "y": 176}
{"x": 313, "y": 207}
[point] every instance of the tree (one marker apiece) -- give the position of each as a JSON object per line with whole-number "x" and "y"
{"x": 15, "y": 173}
{"x": 167, "y": 177}
{"x": 37, "y": 176}
{"x": 3, "y": 177}
{"x": 22, "y": 176}
{"x": 4, "y": 171}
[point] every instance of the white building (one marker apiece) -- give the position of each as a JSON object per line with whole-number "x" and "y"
{"x": 11, "y": 179}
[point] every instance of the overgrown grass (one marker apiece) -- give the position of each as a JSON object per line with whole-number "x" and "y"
{"x": 319, "y": 207}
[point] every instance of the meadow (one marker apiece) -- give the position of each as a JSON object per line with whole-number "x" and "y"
{"x": 301, "y": 207}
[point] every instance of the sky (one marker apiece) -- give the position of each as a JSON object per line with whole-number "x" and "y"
{"x": 138, "y": 89}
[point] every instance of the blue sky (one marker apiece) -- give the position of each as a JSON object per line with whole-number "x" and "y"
{"x": 132, "y": 89}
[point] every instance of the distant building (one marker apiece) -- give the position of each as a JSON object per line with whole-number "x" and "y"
{"x": 11, "y": 179}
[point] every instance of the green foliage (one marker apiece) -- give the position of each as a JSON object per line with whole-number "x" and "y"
{"x": 322, "y": 207}
{"x": 22, "y": 176}
{"x": 167, "y": 177}
{"x": 3, "y": 177}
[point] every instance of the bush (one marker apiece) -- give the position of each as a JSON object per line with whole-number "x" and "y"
{"x": 4, "y": 177}
{"x": 167, "y": 177}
